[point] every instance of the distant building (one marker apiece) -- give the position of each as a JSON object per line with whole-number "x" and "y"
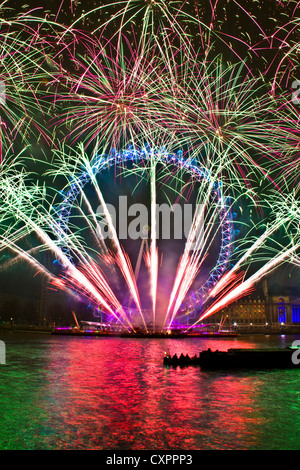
{"x": 284, "y": 309}
{"x": 265, "y": 308}
{"x": 244, "y": 312}
{"x": 17, "y": 308}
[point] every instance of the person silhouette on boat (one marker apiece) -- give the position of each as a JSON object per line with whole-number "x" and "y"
{"x": 182, "y": 358}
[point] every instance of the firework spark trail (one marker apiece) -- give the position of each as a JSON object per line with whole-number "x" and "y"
{"x": 190, "y": 272}
{"x": 93, "y": 272}
{"x": 91, "y": 277}
{"x": 95, "y": 230}
{"x": 73, "y": 272}
{"x": 97, "y": 234}
{"x": 74, "y": 275}
{"x": 152, "y": 261}
{"x": 220, "y": 111}
{"x": 244, "y": 287}
{"x": 88, "y": 267}
{"x": 189, "y": 265}
{"x": 133, "y": 9}
{"x": 257, "y": 244}
{"x": 211, "y": 106}
{"x": 66, "y": 237}
{"x": 111, "y": 99}
{"x": 122, "y": 260}
{"x": 227, "y": 280}
{"x": 23, "y": 69}
{"x": 287, "y": 58}
{"x": 153, "y": 247}
{"x": 40, "y": 268}
{"x": 184, "y": 264}
{"x": 21, "y": 254}
{"x": 96, "y": 277}
{"x": 158, "y": 18}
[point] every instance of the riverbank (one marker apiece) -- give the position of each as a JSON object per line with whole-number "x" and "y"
{"x": 240, "y": 330}
{"x": 25, "y": 329}
{"x": 268, "y": 330}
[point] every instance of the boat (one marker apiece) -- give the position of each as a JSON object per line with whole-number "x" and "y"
{"x": 234, "y": 358}
{"x": 182, "y": 360}
{"x": 248, "y": 359}
{"x": 153, "y": 334}
{"x": 86, "y": 328}
{"x": 213, "y": 334}
{"x": 70, "y": 331}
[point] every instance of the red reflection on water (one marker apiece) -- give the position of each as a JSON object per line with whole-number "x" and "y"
{"x": 115, "y": 394}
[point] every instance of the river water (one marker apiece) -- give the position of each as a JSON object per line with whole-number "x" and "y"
{"x": 115, "y": 394}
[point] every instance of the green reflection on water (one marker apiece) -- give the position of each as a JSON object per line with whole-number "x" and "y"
{"x": 76, "y": 394}
{"x": 278, "y": 405}
{"x": 21, "y": 396}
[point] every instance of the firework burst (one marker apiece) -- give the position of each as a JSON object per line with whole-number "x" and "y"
{"x": 146, "y": 96}
{"x": 25, "y": 73}
{"x": 97, "y": 269}
{"x": 111, "y": 98}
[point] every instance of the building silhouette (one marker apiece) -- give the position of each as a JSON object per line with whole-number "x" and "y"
{"x": 274, "y": 306}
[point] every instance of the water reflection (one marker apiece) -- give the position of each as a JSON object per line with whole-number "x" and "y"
{"x": 96, "y": 393}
